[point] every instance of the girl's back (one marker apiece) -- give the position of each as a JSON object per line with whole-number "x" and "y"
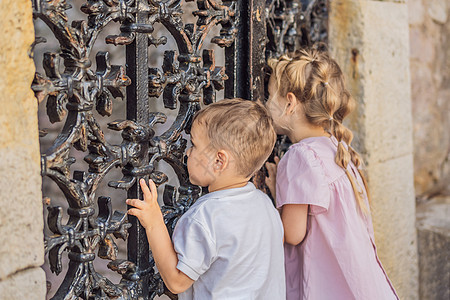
{"x": 329, "y": 244}
{"x": 337, "y": 259}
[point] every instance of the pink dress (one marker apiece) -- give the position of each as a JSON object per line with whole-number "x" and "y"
{"x": 338, "y": 258}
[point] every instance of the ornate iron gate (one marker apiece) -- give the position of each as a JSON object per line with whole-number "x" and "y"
{"x": 251, "y": 31}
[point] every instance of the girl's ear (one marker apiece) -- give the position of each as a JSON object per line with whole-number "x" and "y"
{"x": 292, "y": 103}
{"x": 222, "y": 160}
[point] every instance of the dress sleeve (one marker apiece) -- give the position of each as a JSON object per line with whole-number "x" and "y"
{"x": 194, "y": 246}
{"x": 301, "y": 180}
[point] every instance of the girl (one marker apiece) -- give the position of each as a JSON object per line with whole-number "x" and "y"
{"x": 322, "y": 196}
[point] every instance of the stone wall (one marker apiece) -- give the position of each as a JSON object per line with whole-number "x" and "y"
{"x": 370, "y": 41}
{"x": 433, "y": 227}
{"x": 430, "y": 80}
{"x": 21, "y": 248}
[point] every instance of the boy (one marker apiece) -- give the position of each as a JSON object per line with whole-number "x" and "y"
{"x": 229, "y": 244}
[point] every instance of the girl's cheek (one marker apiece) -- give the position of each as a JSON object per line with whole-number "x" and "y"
{"x": 274, "y": 112}
{"x": 270, "y": 108}
{"x": 275, "y": 109}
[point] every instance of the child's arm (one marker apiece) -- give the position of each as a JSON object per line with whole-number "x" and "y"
{"x": 149, "y": 214}
{"x": 294, "y": 218}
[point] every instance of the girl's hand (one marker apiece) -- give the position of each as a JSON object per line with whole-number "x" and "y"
{"x": 271, "y": 179}
{"x": 147, "y": 211}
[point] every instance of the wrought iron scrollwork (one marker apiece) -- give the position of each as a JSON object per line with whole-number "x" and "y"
{"x": 188, "y": 75}
{"x": 292, "y": 24}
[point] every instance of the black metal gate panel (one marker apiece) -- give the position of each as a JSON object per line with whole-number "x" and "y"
{"x": 251, "y": 31}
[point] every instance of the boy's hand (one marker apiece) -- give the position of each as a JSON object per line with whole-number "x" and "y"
{"x": 166, "y": 259}
{"x": 271, "y": 179}
{"x": 147, "y": 211}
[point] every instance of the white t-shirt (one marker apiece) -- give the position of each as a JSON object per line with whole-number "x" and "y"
{"x": 231, "y": 243}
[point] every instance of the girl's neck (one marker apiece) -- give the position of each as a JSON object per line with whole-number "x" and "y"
{"x": 303, "y": 131}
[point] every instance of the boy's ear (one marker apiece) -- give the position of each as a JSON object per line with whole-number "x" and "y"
{"x": 221, "y": 161}
{"x": 292, "y": 103}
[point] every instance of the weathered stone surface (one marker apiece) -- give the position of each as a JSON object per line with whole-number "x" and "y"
{"x": 370, "y": 41}
{"x": 415, "y": 11}
{"x": 437, "y": 10}
{"x": 430, "y": 84}
{"x": 376, "y": 74}
{"x": 393, "y": 213}
{"x": 28, "y": 284}
{"x": 433, "y": 226}
{"x": 21, "y": 226}
{"x": 421, "y": 47}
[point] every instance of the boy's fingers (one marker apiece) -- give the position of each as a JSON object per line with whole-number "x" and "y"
{"x": 145, "y": 189}
{"x": 153, "y": 189}
{"x": 269, "y": 181}
{"x": 277, "y": 160}
{"x": 270, "y": 168}
{"x": 134, "y": 212}
{"x": 136, "y": 203}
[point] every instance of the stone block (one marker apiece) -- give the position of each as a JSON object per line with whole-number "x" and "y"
{"x": 393, "y": 213}
{"x": 431, "y": 134}
{"x": 28, "y": 284}
{"x": 387, "y": 96}
{"x": 422, "y": 46}
{"x": 21, "y": 226}
{"x": 370, "y": 41}
{"x": 415, "y": 11}
{"x": 17, "y": 35}
{"x": 430, "y": 85}
{"x": 437, "y": 10}
{"x": 22, "y": 222}
{"x": 433, "y": 230}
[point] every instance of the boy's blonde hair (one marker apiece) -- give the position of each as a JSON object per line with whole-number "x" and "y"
{"x": 318, "y": 83}
{"x": 243, "y": 127}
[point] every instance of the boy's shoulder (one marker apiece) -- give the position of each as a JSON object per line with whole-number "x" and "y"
{"x": 226, "y": 200}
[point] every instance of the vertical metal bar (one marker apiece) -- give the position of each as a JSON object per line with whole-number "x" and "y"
{"x": 245, "y": 58}
{"x": 230, "y": 69}
{"x": 235, "y": 56}
{"x": 138, "y": 110}
{"x": 257, "y": 41}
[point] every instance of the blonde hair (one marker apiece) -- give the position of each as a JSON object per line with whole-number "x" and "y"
{"x": 318, "y": 83}
{"x": 243, "y": 127}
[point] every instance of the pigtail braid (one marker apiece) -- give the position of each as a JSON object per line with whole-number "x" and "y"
{"x": 342, "y": 156}
{"x": 355, "y": 156}
{"x": 346, "y": 154}
{"x": 341, "y": 133}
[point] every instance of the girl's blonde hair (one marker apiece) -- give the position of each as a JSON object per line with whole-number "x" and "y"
{"x": 318, "y": 83}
